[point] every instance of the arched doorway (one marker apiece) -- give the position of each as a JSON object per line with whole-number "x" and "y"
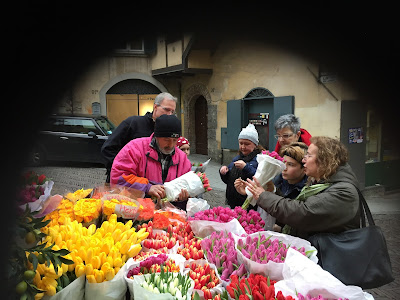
{"x": 132, "y": 86}
{"x": 130, "y": 97}
{"x": 201, "y": 127}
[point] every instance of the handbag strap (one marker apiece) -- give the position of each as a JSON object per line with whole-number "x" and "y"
{"x": 364, "y": 210}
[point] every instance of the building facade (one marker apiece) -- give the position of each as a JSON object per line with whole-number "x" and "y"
{"x": 224, "y": 82}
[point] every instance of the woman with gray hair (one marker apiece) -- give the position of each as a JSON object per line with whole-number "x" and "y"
{"x": 288, "y": 131}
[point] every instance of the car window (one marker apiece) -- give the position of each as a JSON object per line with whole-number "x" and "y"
{"x": 105, "y": 124}
{"x": 80, "y": 126}
{"x": 54, "y": 124}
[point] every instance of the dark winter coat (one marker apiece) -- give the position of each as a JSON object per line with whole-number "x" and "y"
{"x": 334, "y": 210}
{"x": 131, "y": 128}
{"x": 233, "y": 198}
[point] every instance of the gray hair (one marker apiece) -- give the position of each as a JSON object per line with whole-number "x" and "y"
{"x": 288, "y": 120}
{"x": 160, "y": 97}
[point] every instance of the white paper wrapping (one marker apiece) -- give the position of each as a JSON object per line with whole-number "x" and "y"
{"x": 204, "y": 228}
{"x": 189, "y": 181}
{"x": 272, "y": 269}
{"x": 300, "y": 275}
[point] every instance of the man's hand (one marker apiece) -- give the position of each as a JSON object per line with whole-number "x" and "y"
{"x": 240, "y": 186}
{"x": 224, "y": 170}
{"x": 157, "y": 191}
{"x": 240, "y": 164}
{"x": 183, "y": 195}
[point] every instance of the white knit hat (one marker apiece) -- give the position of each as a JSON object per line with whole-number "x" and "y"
{"x": 249, "y": 133}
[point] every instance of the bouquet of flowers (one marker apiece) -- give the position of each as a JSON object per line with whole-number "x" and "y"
{"x": 269, "y": 165}
{"x": 200, "y": 167}
{"x": 34, "y": 190}
{"x": 194, "y": 183}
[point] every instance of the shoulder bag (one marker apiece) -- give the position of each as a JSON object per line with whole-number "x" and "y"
{"x": 356, "y": 257}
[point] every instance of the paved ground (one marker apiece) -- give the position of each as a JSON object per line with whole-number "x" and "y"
{"x": 69, "y": 177}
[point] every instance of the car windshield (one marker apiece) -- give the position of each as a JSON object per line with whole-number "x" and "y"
{"x": 105, "y": 124}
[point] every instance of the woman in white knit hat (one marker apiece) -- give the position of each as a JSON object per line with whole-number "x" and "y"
{"x": 242, "y": 166}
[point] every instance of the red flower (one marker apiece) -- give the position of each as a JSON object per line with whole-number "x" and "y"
{"x": 41, "y": 179}
{"x": 244, "y": 297}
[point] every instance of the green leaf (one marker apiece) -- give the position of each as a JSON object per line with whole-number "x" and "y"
{"x": 35, "y": 288}
{"x": 34, "y": 262}
{"x": 196, "y": 296}
{"x": 62, "y": 252}
{"x": 65, "y": 260}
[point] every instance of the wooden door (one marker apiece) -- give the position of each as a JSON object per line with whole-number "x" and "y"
{"x": 201, "y": 120}
{"x": 120, "y": 107}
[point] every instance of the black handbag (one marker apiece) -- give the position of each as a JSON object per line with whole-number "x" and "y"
{"x": 356, "y": 257}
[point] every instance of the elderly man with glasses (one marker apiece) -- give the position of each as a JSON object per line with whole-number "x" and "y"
{"x": 288, "y": 131}
{"x": 136, "y": 127}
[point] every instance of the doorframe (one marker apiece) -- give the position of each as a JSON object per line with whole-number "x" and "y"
{"x": 125, "y": 76}
{"x": 191, "y": 95}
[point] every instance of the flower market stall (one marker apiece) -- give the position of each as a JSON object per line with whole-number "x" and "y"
{"x": 112, "y": 243}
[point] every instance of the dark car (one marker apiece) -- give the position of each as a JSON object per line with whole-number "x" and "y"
{"x": 71, "y": 138}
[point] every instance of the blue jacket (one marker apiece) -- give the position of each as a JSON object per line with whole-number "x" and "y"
{"x": 287, "y": 190}
{"x": 233, "y": 198}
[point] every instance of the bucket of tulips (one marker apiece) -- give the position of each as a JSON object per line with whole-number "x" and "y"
{"x": 265, "y": 252}
{"x": 34, "y": 190}
{"x": 237, "y": 220}
{"x": 168, "y": 262}
{"x": 219, "y": 250}
{"x": 206, "y": 281}
{"x": 163, "y": 285}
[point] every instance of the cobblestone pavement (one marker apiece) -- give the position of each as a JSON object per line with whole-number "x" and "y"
{"x": 72, "y": 176}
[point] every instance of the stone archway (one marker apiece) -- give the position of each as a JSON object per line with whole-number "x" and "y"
{"x": 189, "y": 100}
{"x": 122, "y": 77}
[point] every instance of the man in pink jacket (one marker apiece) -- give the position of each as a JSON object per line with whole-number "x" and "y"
{"x": 146, "y": 163}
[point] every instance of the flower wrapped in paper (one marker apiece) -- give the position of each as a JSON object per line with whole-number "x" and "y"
{"x": 269, "y": 165}
{"x": 194, "y": 183}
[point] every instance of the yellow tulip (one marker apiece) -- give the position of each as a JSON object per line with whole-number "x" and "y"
{"x": 96, "y": 262}
{"x": 91, "y": 229}
{"x": 89, "y": 255}
{"x": 99, "y": 276}
{"x": 109, "y": 274}
{"x": 134, "y": 238}
{"x": 91, "y": 279}
{"x": 79, "y": 270}
{"x": 50, "y": 290}
{"x": 49, "y": 281}
{"x": 89, "y": 269}
{"x": 128, "y": 225}
{"x": 113, "y": 218}
{"x": 103, "y": 258}
{"x": 105, "y": 248}
{"x": 110, "y": 260}
{"x": 125, "y": 247}
{"x": 116, "y": 235}
{"x": 64, "y": 268}
{"x": 39, "y": 296}
{"x": 124, "y": 258}
{"x": 116, "y": 270}
{"x": 143, "y": 236}
{"x": 134, "y": 250}
{"x": 105, "y": 267}
{"x": 82, "y": 252}
{"x": 118, "y": 262}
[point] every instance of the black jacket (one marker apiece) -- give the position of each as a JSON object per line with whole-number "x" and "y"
{"x": 131, "y": 128}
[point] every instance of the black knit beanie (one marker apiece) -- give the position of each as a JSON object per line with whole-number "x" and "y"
{"x": 167, "y": 126}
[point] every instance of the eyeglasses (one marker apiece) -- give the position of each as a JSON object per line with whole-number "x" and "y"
{"x": 168, "y": 110}
{"x": 284, "y": 136}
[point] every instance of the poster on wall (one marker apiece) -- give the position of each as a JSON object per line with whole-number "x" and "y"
{"x": 356, "y": 135}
